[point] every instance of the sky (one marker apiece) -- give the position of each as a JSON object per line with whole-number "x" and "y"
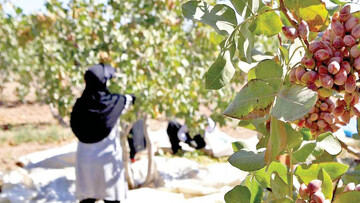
{"x": 30, "y": 6}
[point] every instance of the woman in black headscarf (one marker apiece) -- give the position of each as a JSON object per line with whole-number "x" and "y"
{"x": 94, "y": 121}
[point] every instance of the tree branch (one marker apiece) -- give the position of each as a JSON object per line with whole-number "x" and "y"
{"x": 349, "y": 149}
{"x": 291, "y": 20}
{"x": 58, "y": 117}
{"x": 125, "y": 130}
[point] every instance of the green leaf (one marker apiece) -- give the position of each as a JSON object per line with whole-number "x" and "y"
{"x": 339, "y": 2}
{"x": 263, "y": 141}
{"x": 255, "y": 189}
{"x": 277, "y": 140}
{"x": 279, "y": 188}
{"x": 313, "y": 12}
{"x": 293, "y": 102}
{"x": 306, "y": 133}
{"x": 284, "y": 200}
{"x": 253, "y": 101}
{"x": 220, "y": 17}
{"x": 245, "y": 8}
{"x": 246, "y": 42}
{"x": 222, "y": 70}
{"x": 304, "y": 152}
{"x": 247, "y": 160}
{"x": 326, "y": 186}
{"x": 267, "y": 23}
{"x": 352, "y": 176}
{"x": 239, "y": 194}
{"x": 312, "y": 36}
{"x": 257, "y": 124}
{"x": 306, "y": 173}
{"x": 284, "y": 54}
{"x": 269, "y": 71}
{"x": 263, "y": 175}
{"x": 329, "y": 143}
{"x": 324, "y": 157}
{"x": 284, "y": 20}
{"x": 293, "y": 137}
{"x": 239, "y": 145}
{"x": 356, "y": 136}
{"x": 18, "y": 10}
{"x": 350, "y": 196}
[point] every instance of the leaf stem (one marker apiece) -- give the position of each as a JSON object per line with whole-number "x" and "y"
{"x": 284, "y": 10}
{"x": 291, "y": 181}
{"x": 334, "y": 191}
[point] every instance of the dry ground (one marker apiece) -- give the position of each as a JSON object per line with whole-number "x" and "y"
{"x": 14, "y": 114}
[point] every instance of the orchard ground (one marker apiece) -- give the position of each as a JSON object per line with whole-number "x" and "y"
{"x": 29, "y": 126}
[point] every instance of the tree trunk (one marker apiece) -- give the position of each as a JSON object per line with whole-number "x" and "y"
{"x": 58, "y": 117}
{"x": 151, "y": 164}
{"x": 125, "y": 130}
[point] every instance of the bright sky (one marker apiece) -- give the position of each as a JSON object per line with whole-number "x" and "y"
{"x": 30, "y": 6}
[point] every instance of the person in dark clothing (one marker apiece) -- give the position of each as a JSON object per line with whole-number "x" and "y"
{"x": 179, "y": 133}
{"x": 136, "y": 139}
{"x": 94, "y": 121}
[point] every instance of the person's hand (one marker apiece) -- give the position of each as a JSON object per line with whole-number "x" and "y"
{"x": 133, "y": 98}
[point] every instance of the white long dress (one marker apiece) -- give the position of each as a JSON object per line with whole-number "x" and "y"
{"x": 99, "y": 167}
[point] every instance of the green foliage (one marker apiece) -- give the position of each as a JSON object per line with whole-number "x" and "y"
{"x": 326, "y": 186}
{"x": 269, "y": 71}
{"x": 278, "y": 186}
{"x": 253, "y": 101}
{"x": 263, "y": 176}
{"x": 246, "y": 7}
{"x": 350, "y": 196}
{"x": 239, "y": 194}
{"x": 268, "y": 23}
{"x": 306, "y": 173}
{"x": 313, "y": 12}
{"x": 159, "y": 56}
{"x": 222, "y": 70}
{"x": 220, "y": 17}
{"x": 247, "y": 160}
{"x": 269, "y": 103}
{"x": 255, "y": 189}
{"x": 293, "y": 102}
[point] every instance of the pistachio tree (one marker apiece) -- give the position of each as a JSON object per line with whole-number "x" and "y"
{"x": 160, "y": 57}
{"x": 296, "y": 99}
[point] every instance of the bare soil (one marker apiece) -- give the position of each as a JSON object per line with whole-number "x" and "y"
{"x": 14, "y": 113}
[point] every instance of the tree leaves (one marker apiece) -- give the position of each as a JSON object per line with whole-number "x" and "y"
{"x": 255, "y": 189}
{"x": 350, "y": 196}
{"x": 293, "y": 102}
{"x": 277, "y": 140}
{"x": 253, "y": 101}
{"x": 222, "y": 70}
{"x": 329, "y": 143}
{"x": 239, "y": 194}
{"x": 269, "y": 71}
{"x": 245, "y": 42}
{"x": 247, "y": 160}
{"x": 263, "y": 175}
{"x": 306, "y": 173}
{"x": 268, "y": 23}
{"x": 313, "y": 12}
{"x": 326, "y": 186}
{"x": 220, "y": 17}
{"x": 278, "y": 186}
{"x": 245, "y": 7}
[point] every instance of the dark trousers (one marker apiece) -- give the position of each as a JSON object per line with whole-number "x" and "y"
{"x": 90, "y": 200}
{"x": 172, "y": 131}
